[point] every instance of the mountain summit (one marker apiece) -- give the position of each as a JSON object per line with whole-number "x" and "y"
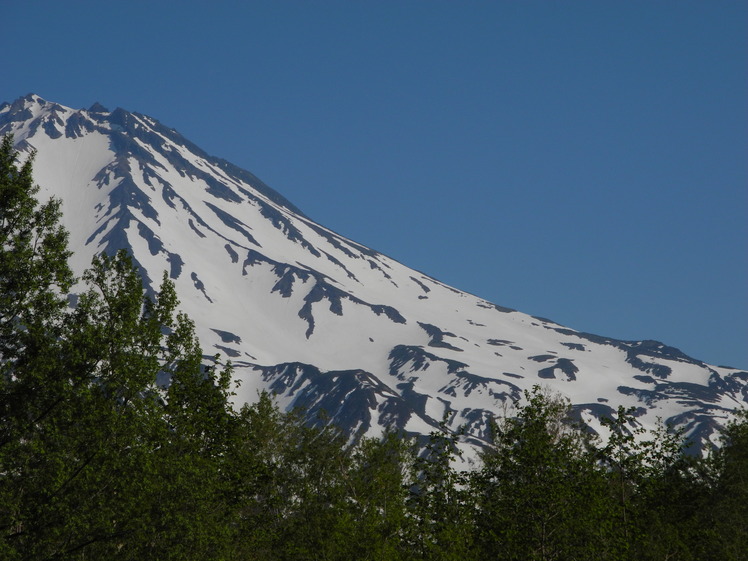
{"x": 324, "y": 322}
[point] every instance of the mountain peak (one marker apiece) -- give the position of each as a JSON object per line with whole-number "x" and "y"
{"x": 32, "y": 98}
{"x": 98, "y": 108}
{"x": 27, "y": 101}
{"x": 325, "y": 322}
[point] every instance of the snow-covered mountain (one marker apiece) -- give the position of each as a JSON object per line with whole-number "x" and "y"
{"x": 322, "y": 321}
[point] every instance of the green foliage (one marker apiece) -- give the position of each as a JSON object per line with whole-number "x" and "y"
{"x": 725, "y": 511}
{"x": 100, "y": 463}
{"x": 439, "y": 503}
{"x": 304, "y": 494}
{"x": 117, "y": 442}
{"x": 95, "y": 458}
{"x": 541, "y": 495}
{"x": 294, "y": 490}
{"x": 34, "y": 275}
{"x": 378, "y": 491}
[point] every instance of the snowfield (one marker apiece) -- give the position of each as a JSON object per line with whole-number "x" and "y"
{"x": 320, "y": 320}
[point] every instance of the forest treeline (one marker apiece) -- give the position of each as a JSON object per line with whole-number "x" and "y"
{"x": 116, "y": 442}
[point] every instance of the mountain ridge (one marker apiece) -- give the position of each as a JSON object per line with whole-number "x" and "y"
{"x": 325, "y": 322}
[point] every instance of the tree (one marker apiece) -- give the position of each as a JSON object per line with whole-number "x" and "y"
{"x": 291, "y": 483}
{"x": 34, "y": 278}
{"x": 439, "y": 503}
{"x": 103, "y": 467}
{"x": 34, "y": 274}
{"x": 726, "y": 515}
{"x": 98, "y": 459}
{"x": 378, "y": 491}
{"x": 540, "y": 494}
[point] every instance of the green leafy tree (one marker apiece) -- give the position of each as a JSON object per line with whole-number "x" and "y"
{"x": 540, "y": 493}
{"x": 667, "y": 491}
{"x": 34, "y": 274}
{"x": 291, "y": 482}
{"x": 725, "y": 519}
{"x": 624, "y": 457}
{"x": 97, "y": 460}
{"x": 305, "y": 493}
{"x": 378, "y": 490}
{"x": 104, "y": 469}
{"x": 439, "y": 504}
{"x": 34, "y": 278}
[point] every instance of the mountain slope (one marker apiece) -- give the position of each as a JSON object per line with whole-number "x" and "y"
{"x": 320, "y": 320}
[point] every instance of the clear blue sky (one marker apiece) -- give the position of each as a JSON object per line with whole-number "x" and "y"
{"x": 581, "y": 161}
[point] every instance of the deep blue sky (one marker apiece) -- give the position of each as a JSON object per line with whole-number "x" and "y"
{"x": 581, "y": 161}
